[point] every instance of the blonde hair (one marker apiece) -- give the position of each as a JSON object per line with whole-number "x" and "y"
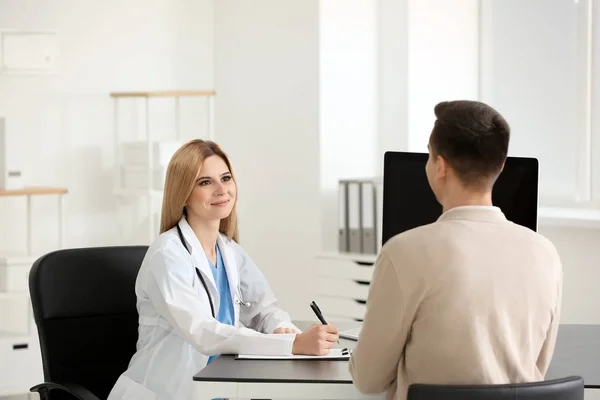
{"x": 181, "y": 179}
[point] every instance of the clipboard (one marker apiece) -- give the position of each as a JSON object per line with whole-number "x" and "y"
{"x": 334, "y": 355}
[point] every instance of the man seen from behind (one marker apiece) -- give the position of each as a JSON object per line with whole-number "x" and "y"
{"x": 472, "y": 298}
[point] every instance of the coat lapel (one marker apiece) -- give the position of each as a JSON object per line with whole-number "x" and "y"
{"x": 199, "y": 257}
{"x": 231, "y": 267}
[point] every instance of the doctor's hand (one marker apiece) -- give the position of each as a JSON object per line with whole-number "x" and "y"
{"x": 285, "y": 330}
{"x": 316, "y": 340}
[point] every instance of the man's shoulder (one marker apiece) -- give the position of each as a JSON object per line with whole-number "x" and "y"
{"x": 407, "y": 240}
{"x": 441, "y": 233}
{"x": 417, "y": 234}
{"x": 535, "y": 240}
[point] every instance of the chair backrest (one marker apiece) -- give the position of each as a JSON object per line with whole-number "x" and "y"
{"x": 84, "y": 305}
{"x": 568, "y": 388}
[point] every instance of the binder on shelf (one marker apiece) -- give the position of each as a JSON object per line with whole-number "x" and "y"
{"x": 354, "y": 217}
{"x": 343, "y": 244}
{"x": 367, "y": 214}
{"x": 379, "y": 213}
{"x": 11, "y": 174}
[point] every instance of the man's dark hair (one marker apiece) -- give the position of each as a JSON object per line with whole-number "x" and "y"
{"x": 473, "y": 138}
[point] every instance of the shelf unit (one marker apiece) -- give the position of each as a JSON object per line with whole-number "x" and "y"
{"x": 20, "y": 357}
{"x": 30, "y": 192}
{"x": 148, "y": 171}
{"x": 343, "y": 281}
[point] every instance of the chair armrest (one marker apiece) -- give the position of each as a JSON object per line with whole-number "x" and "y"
{"x": 77, "y": 391}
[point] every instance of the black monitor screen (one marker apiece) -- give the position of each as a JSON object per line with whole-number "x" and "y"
{"x": 409, "y": 202}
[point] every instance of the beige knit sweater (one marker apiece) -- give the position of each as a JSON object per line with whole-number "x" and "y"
{"x": 470, "y": 299}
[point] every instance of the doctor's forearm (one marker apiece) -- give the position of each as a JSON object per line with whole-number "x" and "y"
{"x": 247, "y": 341}
{"x": 267, "y": 320}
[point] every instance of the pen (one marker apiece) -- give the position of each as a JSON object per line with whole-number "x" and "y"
{"x": 318, "y": 313}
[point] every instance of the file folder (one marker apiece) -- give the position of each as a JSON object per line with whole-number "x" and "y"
{"x": 367, "y": 214}
{"x": 343, "y": 244}
{"x": 379, "y": 214}
{"x": 354, "y": 223}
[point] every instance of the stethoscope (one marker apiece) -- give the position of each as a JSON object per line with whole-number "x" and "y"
{"x": 238, "y": 298}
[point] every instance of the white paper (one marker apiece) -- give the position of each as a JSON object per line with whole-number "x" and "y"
{"x": 333, "y": 353}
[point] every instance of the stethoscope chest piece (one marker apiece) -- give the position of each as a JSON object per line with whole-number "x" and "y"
{"x": 241, "y": 302}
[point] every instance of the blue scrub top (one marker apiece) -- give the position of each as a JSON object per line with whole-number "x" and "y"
{"x": 226, "y": 313}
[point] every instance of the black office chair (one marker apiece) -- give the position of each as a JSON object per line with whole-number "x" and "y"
{"x": 84, "y": 306}
{"x": 569, "y": 388}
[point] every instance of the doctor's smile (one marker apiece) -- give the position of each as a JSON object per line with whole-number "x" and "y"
{"x": 221, "y": 203}
{"x": 199, "y": 294}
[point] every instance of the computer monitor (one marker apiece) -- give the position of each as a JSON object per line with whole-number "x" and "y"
{"x": 409, "y": 202}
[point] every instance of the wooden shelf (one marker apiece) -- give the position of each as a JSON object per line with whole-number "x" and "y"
{"x": 165, "y": 93}
{"x": 34, "y": 191}
{"x": 126, "y": 192}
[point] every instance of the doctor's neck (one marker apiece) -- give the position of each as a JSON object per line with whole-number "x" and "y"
{"x": 207, "y": 232}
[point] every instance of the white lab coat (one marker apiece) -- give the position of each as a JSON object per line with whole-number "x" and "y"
{"x": 177, "y": 331}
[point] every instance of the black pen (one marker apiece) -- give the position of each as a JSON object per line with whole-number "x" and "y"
{"x": 318, "y": 313}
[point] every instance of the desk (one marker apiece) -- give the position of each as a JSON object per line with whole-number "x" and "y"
{"x": 280, "y": 379}
{"x": 577, "y": 353}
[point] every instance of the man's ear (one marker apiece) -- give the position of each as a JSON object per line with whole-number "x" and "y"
{"x": 441, "y": 167}
{"x": 502, "y": 168}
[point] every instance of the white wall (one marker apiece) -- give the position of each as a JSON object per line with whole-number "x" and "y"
{"x": 347, "y": 98}
{"x": 578, "y": 251}
{"x": 64, "y": 121}
{"x": 392, "y": 77}
{"x": 267, "y": 120}
{"x": 443, "y": 62}
{"x": 428, "y": 51}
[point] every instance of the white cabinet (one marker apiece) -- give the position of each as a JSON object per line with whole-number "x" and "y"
{"x": 343, "y": 284}
{"x": 14, "y": 273}
{"x": 20, "y": 364}
{"x": 15, "y": 315}
{"x": 20, "y": 355}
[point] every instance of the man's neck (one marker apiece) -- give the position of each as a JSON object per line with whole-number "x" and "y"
{"x": 468, "y": 199}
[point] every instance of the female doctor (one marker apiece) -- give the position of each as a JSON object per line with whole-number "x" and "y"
{"x": 198, "y": 293}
